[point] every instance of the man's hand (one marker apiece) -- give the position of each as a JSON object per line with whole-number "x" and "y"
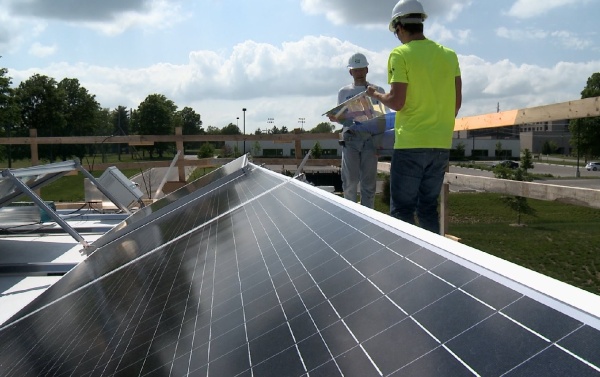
{"x": 371, "y": 91}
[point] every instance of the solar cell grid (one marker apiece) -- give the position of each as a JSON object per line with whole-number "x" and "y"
{"x": 231, "y": 288}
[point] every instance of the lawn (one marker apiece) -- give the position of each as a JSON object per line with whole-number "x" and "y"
{"x": 69, "y": 188}
{"x": 561, "y": 241}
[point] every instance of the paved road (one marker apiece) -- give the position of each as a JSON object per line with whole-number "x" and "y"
{"x": 150, "y": 180}
{"x": 567, "y": 174}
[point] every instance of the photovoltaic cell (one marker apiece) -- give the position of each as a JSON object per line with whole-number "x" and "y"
{"x": 262, "y": 275}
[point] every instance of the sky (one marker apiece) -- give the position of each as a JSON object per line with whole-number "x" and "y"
{"x": 285, "y": 60}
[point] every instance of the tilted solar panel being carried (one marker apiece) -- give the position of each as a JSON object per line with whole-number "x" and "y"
{"x": 269, "y": 276}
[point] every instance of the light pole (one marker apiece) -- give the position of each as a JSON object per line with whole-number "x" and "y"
{"x": 237, "y": 124}
{"x": 269, "y": 122}
{"x": 578, "y": 174}
{"x": 302, "y": 121}
{"x": 244, "y": 111}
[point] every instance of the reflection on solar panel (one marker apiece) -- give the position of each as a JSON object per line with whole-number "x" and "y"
{"x": 263, "y": 275}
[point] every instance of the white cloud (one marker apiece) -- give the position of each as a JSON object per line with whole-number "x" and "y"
{"x": 287, "y": 82}
{"x": 572, "y": 40}
{"x": 534, "y": 8}
{"x": 159, "y": 14}
{"x": 359, "y": 12}
{"x": 565, "y": 38}
{"x": 303, "y": 75}
{"x": 40, "y": 51}
{"x": 442, "y": 34}
{"x": 19, "y": 19}
{"x": 69, "y": 10}
{"x": 520, "y": 86}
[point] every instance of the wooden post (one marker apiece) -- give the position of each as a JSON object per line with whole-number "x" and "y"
{"x": 298, "y": 145}
{"x": 179, "y": 147}
{"x": 444, "y": 204}
{"x": 444, "y": 218}
{"x": 34, "y": 147}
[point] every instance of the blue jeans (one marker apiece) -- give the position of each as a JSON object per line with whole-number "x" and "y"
{"x": 359, "y": 164}
{"x": 416, "y": 179}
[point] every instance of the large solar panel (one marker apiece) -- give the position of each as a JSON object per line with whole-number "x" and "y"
{"x": 268, "y": 276}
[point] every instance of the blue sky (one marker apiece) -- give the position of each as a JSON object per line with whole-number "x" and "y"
{"x": 286, "y": 59}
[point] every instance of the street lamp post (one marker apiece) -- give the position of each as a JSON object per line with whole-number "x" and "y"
{"x": 302, "y": 121}
{"x": 237, "y": 124}
{"x": 269, "y": 122}
{"x": 578, "y": 174}
{"x": 244, "y": 111}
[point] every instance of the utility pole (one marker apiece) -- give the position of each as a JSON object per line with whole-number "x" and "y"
{"x": 578, "y": 174}
{"x": 270, "y": 121}
{"x": 244, "y": 111}
{"x": 301, "y": 121}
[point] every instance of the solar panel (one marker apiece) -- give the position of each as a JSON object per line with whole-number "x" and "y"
{"x": 264, "y": 275}
{"x": 168, "y": 203}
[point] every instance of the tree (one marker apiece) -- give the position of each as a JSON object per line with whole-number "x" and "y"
{"x": 9, "y": 116}
{"x": 231, "y": 129}
{"x": 212, "y": 130}
{"x": 103, "y": 127}
{"x": 518, "y": 204}
{"x": 526, "y": 160}
{"x": 80, "y": 111}
{"x": 121, "y": 121}
{"x": 41, "y": 104}
{"x": 459, "y": 152}
{"x": 190, "y": 121}
{"x": 585, "y": 132}
{"x": 499, "y": 149}
{"x": 207, "y": 150}
{"x": 256, "y": 148}
{"x": 121, "y": 125}
{"x": 549, "y": 147}
{"x": 190, "y": 124}
{"x": 316, "y": 150}
{"x": 227, "y": 151}
{"x": 155, "y": 116}
{"x": 323, "y": 128}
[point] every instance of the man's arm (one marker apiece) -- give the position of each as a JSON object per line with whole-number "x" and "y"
{"x": 395, "y": 99}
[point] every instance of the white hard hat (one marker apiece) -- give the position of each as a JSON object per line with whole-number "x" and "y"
{"x": 405, "y": 7}
{"x": 357, "y": 60}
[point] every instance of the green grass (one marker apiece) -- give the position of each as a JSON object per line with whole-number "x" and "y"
{"x": 69, "y": 188}
{"x": 561, "y": 241}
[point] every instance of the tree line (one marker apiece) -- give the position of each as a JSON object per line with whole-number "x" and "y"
{"x": 66, "y": 108}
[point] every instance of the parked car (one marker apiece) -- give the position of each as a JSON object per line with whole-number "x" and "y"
{"x": 506, "y": 163}
{"x": 593, "y": 166}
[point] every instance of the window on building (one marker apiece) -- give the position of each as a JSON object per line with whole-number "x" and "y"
{"x": 272, "y": 152}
